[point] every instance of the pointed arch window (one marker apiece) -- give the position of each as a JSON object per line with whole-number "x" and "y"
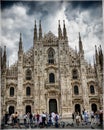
{"x": 51, "y": 78}
{"x": 92, "y": 91}
{"x": 76, "y": 90}
{"x": 11, "y": 91}
{"x": 28, "y": 74}
{"x": 75, "y": 74}
{"x": 51, "y": 54}
{"x": 28, "y": 91}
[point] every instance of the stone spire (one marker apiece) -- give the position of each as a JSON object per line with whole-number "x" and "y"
{"x": 40, "y": 30}
{"x": 20, "y": 43}
{"x": 80, "y": 44}
{"x": 64, "y": 30}
{"x": 96, "y": 56}
{"x": 35, "y": 32}
{"x": 0, "y": 57}
{"x": 59, "y": 31}
{"x": 101, "y": 57}
{"x": 4, "y": 58}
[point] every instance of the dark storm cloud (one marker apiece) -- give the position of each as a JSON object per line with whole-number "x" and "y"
{"x": 94, "y": 8}
{"x": 45, "y": 7}
{"x": 7, "y": 4}
{"x": 18, "y": 16}
{"x": 85, "y": 4}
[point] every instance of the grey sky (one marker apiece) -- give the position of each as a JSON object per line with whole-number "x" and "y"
{"x": 84, "y": 17}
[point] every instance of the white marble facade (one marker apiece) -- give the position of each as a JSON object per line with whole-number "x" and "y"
{"x": 51, "y": 76}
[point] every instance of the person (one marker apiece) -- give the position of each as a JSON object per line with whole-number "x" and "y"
{"x": 25, "y": 116}
{"x": 28, "y": 119}
{"x": 6, "y": 117}
{"x": 16, "y": 120}
{"x": 43, "y": 119}
{"x": 50, "y": 120}
{"x": 53, "y": 118}
{"x": 101, "y": 116}
{"x": 37, "y": 117}
{"x": 13, "y": 119}
{"x": 73, "y": 116}
{"x": 31, "y": 118}
{"x": 77, "y": 118}
{"x": 56, "y": 120}
{"x": 97, "y": 117}
{"x": 92, "y": 116}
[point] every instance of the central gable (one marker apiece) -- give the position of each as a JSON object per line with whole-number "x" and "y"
{"x": 50, "y": 39}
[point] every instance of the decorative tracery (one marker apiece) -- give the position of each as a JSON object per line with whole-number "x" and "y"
{"x": 51, "y": 54}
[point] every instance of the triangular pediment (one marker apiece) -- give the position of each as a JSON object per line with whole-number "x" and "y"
{"x": 50, "y": 37}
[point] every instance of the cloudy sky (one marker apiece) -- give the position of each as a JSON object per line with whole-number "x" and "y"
{"x": 80, "y": 16}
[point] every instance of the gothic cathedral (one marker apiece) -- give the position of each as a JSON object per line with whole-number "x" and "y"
{"x": 51, "y": 77}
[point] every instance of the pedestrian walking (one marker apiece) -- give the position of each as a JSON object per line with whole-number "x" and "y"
{"x": 77, "y": 118}
{"x": 56, "y": 120}
{"x": 73, "y": 116}
{"x": 43, "y": 119}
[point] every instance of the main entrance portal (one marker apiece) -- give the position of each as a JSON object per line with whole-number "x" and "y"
{"x": 52, "y": 105}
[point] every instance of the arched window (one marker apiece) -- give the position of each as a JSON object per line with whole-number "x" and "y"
{"x": 92, "y": 91}
{"x": 75, "y": 74}
{"x": 28, "y": 91}
{"x": 76, "y": 91}
{"x": 11, "y": 91}
{"x": 28, "y": 74}
{"x": 51, "y": 54}
{"x": 51, "y": 78}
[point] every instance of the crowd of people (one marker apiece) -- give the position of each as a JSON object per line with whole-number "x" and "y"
{"x": 39, "y": 120}
{"x": 52, "y": 119}
{"x": 88, "y": 117}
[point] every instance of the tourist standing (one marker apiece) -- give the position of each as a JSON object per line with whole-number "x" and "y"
{"x": 43, "y": 119}
{"x": 73, "y": 116}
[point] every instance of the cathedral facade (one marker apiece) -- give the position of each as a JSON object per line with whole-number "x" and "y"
{"x": 51, "y": 77}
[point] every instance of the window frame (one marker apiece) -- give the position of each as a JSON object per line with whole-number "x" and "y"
{"x": 11, "y": 90}
{"x": 92, "y": 91}
{"x": 28, "y": 74}
{"x": 28, "y": 89}
{"x": 51, "y": 78}
{"x": 75, "y": 74}
{"x": 51, "y": 56}
{"x": 76, "y": 91}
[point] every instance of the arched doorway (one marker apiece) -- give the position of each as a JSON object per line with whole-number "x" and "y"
{"x": 77, "y": 108}
{"x": 94, "y": 107}
{"x": 11, "y": 110}
{"x": 52, "y": 105}
{"x": 28, "y": 109}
